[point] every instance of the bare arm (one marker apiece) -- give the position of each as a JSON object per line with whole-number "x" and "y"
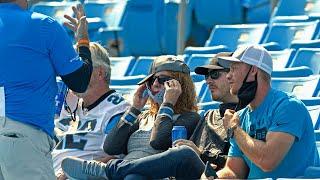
{"x": 235, "y": 168}
{"x": 266, "y": 155}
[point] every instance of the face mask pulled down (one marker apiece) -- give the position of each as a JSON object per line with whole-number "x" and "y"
{"x": 158, "y": 97}
{"x": 247, "y": 91}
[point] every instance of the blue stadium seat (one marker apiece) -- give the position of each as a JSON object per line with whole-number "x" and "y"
{"x": 287, "y": 8}
{"x": 257, "y": 11}
{"x": 281, "y": 59}
{"x": 285, "y": 33}
{"x": 199, "y": 60}
{"x": 302, "y": 87}
{"x": 141, "y": 66}
{"x": 209, "y": 13}
{"x": 203, "y": 92}
{"x": 126, "y": 80}
{"x": 121, "y": 66}
{"x": 301, "y": 71}
{"x": 188, "y": 51}
{"x": 305, "y": 44}
{"x": 54, "y": 9}
{"x": 234, "y": 35}
{"x": 309, "y": 57}
{"x": 141, "y": 29}
{"x": 108, "y": 37}
{"x": 110, "y": 11}
{"x": 209, "y": 105}
{"x": 170, "y": 25}
{"x": 313, "y": 106}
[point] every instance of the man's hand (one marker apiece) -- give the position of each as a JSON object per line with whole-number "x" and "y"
{"x": 61, "y": 176}
{"x": 139, "y": 98}
{"x": 181, "y": 142}
{"x": 230, "y": 119}
{"x": 172, "y": 91}
{"x": 78, "y": 25}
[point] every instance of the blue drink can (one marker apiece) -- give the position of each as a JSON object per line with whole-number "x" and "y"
{"x": 60, "y": 96}
{"x": 178, "y": 132}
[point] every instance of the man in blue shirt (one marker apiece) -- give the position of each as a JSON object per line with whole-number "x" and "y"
{"x": 273, "y": 136}
{"x": 34, "y": 49}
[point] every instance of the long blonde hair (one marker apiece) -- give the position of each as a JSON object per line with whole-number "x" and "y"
{"x": 187, "y": 101}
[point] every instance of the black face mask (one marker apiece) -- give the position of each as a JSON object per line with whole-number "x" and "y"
{"x": 247, "y": 92}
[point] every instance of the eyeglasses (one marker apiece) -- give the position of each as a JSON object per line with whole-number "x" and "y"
{"x": 215, "y": 74}
{"x": 161, "y": 79}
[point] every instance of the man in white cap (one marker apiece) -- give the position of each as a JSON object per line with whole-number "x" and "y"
{"x": 273, "y": 136}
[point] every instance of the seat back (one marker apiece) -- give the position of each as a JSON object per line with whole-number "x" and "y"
{"x": 309, "y": 57}
{"x": 285, "y": 33}
{"x": 141, "y": 66}
{"x": 234, "y": 35}
{"x": 281, "y": 59}
{"x": 302, "y": 87}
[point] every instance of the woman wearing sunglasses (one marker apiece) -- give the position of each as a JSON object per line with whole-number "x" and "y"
{"x": 171, "y": 93}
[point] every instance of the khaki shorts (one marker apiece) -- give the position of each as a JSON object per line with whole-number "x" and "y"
{"x": 25, "y": 152}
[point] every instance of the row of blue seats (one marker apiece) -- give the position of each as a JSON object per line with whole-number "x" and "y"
{"x": 125, "y": 33}
{"x": 287, "y": 63}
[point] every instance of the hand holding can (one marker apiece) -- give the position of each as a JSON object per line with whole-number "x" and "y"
{"x": 178, "y": 132}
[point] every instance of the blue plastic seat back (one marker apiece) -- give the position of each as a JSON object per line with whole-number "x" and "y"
{"x": 313, "y": 106}
{"x": 301, "y": 71}
{"x": 120, "y": 66}
{"x": 142, "y": 66}
{"x": 234, "y": 35}
{"x": 302, "y": 87}
{"x": 141, "y": 28}
{"x": 54, "y": 9}
{"x": 199, "y": 60}
{"x": 289, "y": 8}
{"x": 285, "y": 33}
{"x": 211, "y": 12}
{"x": 309, "y": 57}
{"x": 111, "y": 12}
{"x": 281, "y": 59}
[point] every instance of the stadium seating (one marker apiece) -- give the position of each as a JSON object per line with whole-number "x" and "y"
{"x": 285, "y": 33}
{"x": 141, "y": 66}
{"x": 234, "y": 35}
{"x": 199, "y": 60}
{"x": 302, "y": 87}
{"x": 309, "y": 57}
{"x": 301, "y": 71}
{"x": 121, "y": 66}
{"x": 313, "y": 106}
{"x": 281, "y": 59}
{"x": 299, "y": 7}
{"x": 209, "y": 13}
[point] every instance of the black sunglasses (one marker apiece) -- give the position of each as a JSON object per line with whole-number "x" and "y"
{"x": 161, "y": 79}
{"x": 215, "y": 74}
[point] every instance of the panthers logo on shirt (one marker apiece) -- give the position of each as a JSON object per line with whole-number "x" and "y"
{"x": 87, "y": 138}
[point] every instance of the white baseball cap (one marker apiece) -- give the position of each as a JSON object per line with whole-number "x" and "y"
{"x": 253, "y": 54}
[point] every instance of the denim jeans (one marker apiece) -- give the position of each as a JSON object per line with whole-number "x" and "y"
{"x": 180, "y": 162}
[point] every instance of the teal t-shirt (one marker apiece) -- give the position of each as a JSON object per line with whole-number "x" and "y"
{"x": 280, "y": 112}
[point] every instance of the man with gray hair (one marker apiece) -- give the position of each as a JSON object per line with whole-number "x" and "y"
{"x": 95, "y": 111}
{"x": 272, "y": 137}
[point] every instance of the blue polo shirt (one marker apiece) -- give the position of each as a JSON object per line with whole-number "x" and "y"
{"x": 280, "y": 112}
{"x": 34, "y": 49}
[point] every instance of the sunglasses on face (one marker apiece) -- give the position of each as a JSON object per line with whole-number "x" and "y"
{"x": 215, "y": 74}
{"x": 161, "y": 79}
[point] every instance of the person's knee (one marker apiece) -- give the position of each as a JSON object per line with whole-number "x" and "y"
{"x": 185, "y": 151}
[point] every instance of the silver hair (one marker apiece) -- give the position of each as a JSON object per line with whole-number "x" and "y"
{"x": 100, "y": 58}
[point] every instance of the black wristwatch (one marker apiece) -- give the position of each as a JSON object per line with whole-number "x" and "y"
{"x": 230, "y": 131}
